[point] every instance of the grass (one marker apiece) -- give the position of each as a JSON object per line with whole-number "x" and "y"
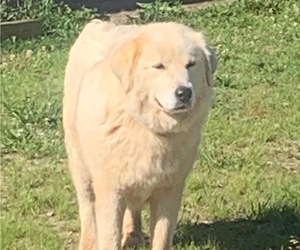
{"x": 244, "y": 192}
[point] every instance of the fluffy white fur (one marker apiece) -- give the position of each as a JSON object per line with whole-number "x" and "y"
{"x": 128, "y": 144}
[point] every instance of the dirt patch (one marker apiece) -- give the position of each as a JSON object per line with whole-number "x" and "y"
{"x": 286, "y": 155}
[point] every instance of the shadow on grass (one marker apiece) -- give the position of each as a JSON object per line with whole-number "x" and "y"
{"x": 266, "y": 230}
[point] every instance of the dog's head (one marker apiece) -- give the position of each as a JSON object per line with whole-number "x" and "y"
{"x": 167, "y": 71}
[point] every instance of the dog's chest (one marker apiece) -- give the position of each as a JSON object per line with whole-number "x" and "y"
{"x": 144, "y": 173}
{"x": 154, "y": 163}
{"x": 137, "y": 162}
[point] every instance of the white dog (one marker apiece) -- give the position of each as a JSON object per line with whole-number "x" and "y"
{"x": 135, "y": 101}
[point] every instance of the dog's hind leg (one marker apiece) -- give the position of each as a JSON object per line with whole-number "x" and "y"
{"x": 132, "y": 235}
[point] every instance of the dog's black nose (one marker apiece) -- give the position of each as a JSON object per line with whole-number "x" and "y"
{"x": 183, "y": 94}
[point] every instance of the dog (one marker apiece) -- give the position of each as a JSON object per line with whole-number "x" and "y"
{"x": 136, "y": 98}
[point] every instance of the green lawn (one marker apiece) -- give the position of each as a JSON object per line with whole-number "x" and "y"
{"x": 244, "y": 192}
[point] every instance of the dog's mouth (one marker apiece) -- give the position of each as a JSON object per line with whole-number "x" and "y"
{"x": 180, "y": 107}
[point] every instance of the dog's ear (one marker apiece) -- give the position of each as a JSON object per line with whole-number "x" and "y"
{"x": 210, "y": 65}
{"x": 210, "y": 57}
{"x": 124, "y": 62}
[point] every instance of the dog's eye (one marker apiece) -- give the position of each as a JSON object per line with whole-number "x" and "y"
{"x": 159, "y": 66}
{"x": 190, "y": 64}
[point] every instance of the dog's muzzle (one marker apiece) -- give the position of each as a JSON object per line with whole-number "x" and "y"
{"x": 182, "y": 100}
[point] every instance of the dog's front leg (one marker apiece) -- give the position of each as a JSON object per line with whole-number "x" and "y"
{"x": 109, "y": 210}
{"x": 164, "y": 205}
